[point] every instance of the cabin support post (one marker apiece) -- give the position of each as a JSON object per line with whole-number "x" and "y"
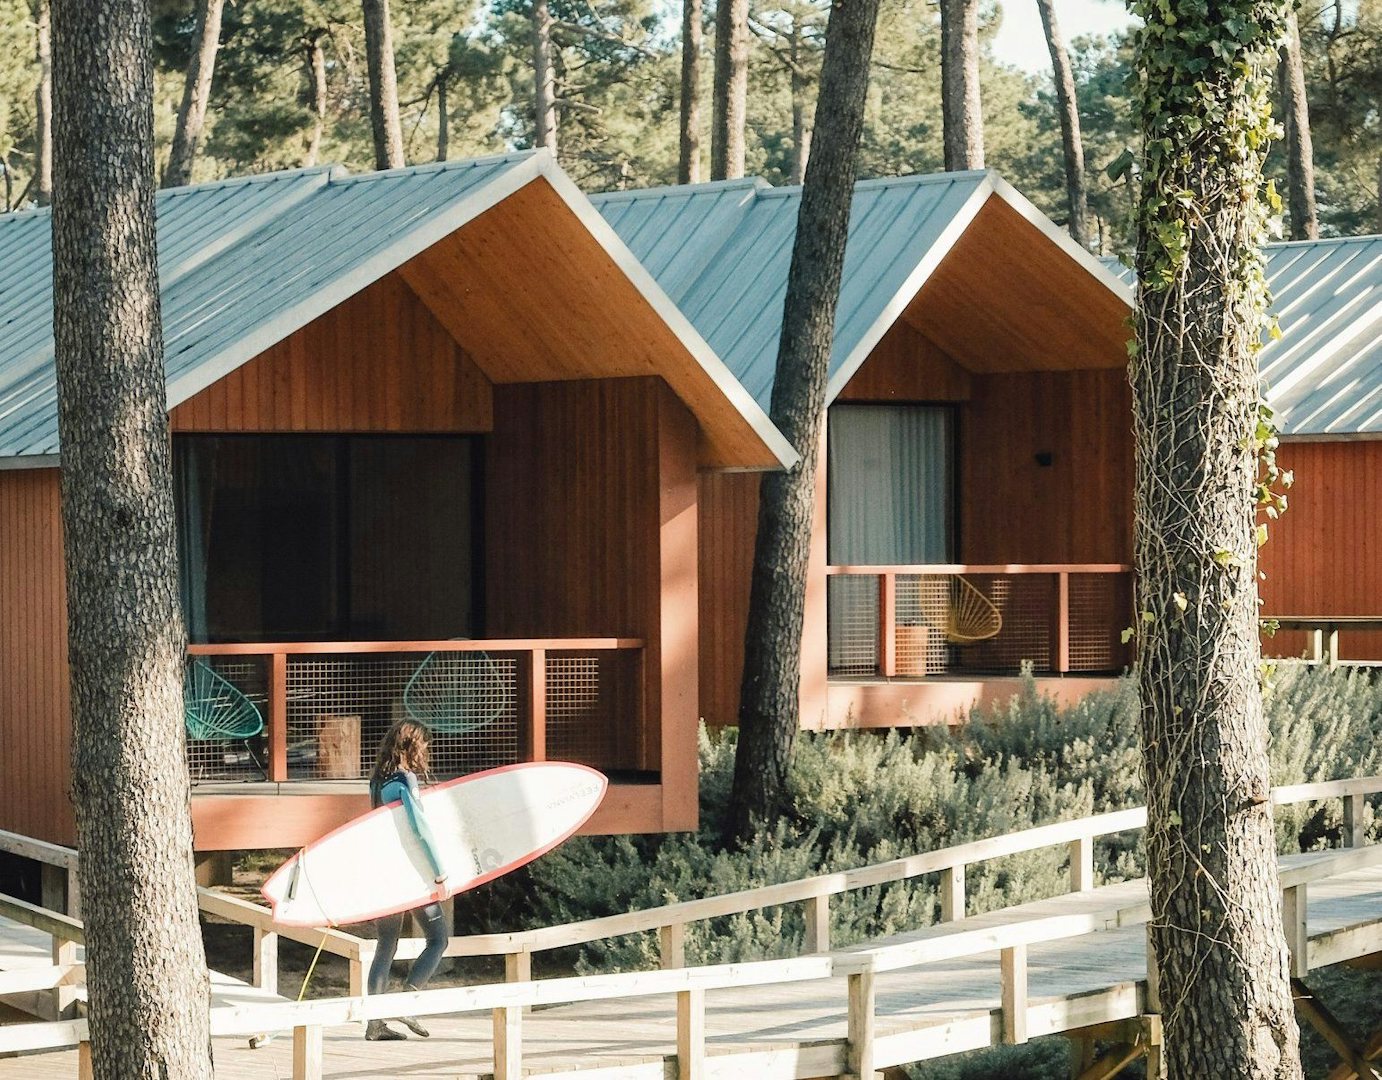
{"x": 1153, "y": 1000}
{"x": 862, "y": 996}
{"x": 1354, "y": 834}
{"x": 1151, "y": 1039}
{"x": 953, "y": 893}
{"x": 887, "y": 625}
{"x": 1316, "y": 645}
{"x": 266, "y": 959}
{"x": 1060, "y": 641}
{"x": 1332, "y": 650}
{"x": 307, "y": 1053}
{"x": 64, "y": 994}
{"x": 691, "y": 1034}
{"x": 85, "y": 1070}
{"x": 278, "y": 717}
{"x": 1294, "y": 904}
{"x": 1082, "y": 864}
{"x": 817, "y": 914}
{"x": 1013, "y": 961}
{"x": 537, "y": 705}
{"x": 671, "y": 945}
{"x": 508, "y": 1043}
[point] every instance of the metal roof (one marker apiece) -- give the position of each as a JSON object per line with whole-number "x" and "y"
{"x": 1324, "y": 374}
{"x": 722, "y": 252}
{"x": 236, "y": 276}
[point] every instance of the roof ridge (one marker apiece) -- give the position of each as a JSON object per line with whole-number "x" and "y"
{"x": 428, "y": 167}
{"x": 756, "y": 183}
{"x": 1362, "y": 238}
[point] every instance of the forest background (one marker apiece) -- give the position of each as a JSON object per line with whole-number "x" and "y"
{"x": 291, "y": 88}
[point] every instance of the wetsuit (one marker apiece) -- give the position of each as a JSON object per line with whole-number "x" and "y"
{"x": 402, "y": 786}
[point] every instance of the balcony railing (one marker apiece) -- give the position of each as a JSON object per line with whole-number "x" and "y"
{"x": 896, "y": 621}
{"x": 327, "y": 705}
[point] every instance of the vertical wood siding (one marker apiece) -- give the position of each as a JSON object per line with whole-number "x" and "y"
{"x": 378, "y": 362}
{"x": 35, "y": 723}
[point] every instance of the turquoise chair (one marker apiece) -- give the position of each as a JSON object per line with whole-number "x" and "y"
{"x": 457, "y": 692}
{"x": 216, "y": 710}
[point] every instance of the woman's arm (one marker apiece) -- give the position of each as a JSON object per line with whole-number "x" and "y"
{"x": 417, "y": 818}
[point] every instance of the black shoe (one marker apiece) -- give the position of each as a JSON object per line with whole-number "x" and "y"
{"x": 378, "y": 1031}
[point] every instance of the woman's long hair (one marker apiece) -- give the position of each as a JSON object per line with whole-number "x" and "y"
{"x": 404, "y": 749}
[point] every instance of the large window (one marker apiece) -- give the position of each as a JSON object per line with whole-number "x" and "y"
{"x": 327, "y": 537}
{"x": 891, "y": 485}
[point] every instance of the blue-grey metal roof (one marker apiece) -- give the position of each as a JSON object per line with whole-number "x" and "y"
{"x": 1324, "y": 374}
{"x": 232, "y": 271}
{"x": 722, "y": 251}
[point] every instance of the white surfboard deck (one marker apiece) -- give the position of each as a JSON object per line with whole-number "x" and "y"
{"x": 484, "y": 825}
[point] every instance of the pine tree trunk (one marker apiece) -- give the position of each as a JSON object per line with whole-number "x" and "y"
{"x": 383, "y": 86}
{"x": 692, "y": 35}
{"x": 729, "y": 109}
{"x": 443, "y": 119}
{"x": 801, "y": 124}
{"x": 315, "y": 62}
{"x": 43, "y": 105}
{"x": 1202, "y": 301}
{"x": 1300, "y": 153}
{"x": 1069, "y": 109}
{"x": 196, "y": 92}
{"x": 961, "y": 106}
{"x": 769, "y": 710}
{"x": 145, "y": 969}
{"x": 545, "y": 77}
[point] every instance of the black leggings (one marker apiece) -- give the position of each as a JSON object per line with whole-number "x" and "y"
{"x": 425, "y": 966}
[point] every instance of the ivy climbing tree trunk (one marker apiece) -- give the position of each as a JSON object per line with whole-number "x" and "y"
{"x": 692, "y": 36}
{"x": 43, "y": 105}
{"x": 961, "y": 104}
{"x": 196, "y": 92}
{"x": 1300, "y": 150}
{"x": 1071, "y": 143}
{"x": 145, "y": 970}
{"x": 729, "y": 109}
{"x": 1205, "y": 466}
{"x": 383, "y": 86}
{"x": 769, "y": 709}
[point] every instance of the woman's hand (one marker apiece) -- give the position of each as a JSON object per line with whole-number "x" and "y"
{"x": 440, "y": 888}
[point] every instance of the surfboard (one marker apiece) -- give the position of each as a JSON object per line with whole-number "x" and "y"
{"x": 485, "y": 825}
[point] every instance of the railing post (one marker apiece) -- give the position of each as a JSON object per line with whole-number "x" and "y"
{"x": 508, "y": 1043}
{"x": 1294, "y": 904}
{"x": 1332, "y": 650}
{"x": 1153, "y": 1004}
{"x": 887, "y": 625}
{"x": 64, "y": 994}
{"x": 85, "y": 1070}
{"x": 1013, "y": 962}
{"x": 817, "y": 913}
{"x": 307, "y": 1053}
{"x": 671, "y": 945}
{"x": 1082, "y": 864}
{"x": 359, "y": 968}
{"x": 1060, "y": 653}
{"x": 953, "y": 893}
{"x": 861, "y": 1025}
{"x": 518, "y": 966}
{"x": 266, "y": 959}
{"x": 278, "y": 717}
{"x": 691, "y": 1034}
{"x": 537, "y": 705}
{"x": 1354, "y": 834}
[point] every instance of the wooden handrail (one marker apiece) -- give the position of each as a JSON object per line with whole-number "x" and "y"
{"x": 982, "y": 568}
{"x": 318, "y": 648}
{"x": 40, "y": 851}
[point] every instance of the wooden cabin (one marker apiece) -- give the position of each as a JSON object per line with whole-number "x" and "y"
{"x": 974, "y": 512}
{"x": 437, "y": 435}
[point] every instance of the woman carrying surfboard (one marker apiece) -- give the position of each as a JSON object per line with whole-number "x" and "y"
{"x": 403, "y": 755}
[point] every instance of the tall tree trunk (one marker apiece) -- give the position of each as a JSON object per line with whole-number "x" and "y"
{"x": 383, "y": 86}
{"x": 196, "y": 91}
{"x": 43, "y": 105}
{"x": 314, "y": 57}
{"x": 801, "y": 122}
{"x": 1069, "y": 109}
{"x": 1201, "y": 306}
{"x": 1379, "y": 194}
{"x": 769, "y": 709}
{"x": 729, "y": 109}
{"x": 443, "y": 118}
{"x": 1300, "y": 153}
{"x": 961, "y": 106}
{"x": 692, "y": 35}
{"x": 545, "y": 77}
{"x": 145, "y": 969}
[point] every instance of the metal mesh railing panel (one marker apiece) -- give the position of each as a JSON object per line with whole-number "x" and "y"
{"x": 1100, "y": 609}
{"x": 592, "y": 709}
{"x": 852, "y": 624}
{"x": 222, "y": 760}
{"x": 923, "y": 601}
{"x": 1027, "y": 605}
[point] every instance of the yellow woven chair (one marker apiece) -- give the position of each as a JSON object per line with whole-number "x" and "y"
{"x": 970, "y": 615}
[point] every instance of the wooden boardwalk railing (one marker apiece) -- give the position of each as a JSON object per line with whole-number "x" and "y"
{"x": 1101, "y": 909}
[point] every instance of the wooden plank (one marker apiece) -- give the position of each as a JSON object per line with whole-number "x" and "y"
{"x": 64, "y": 992}
{"x": 817, "y": 915}
{"x": 691, "y": 1035}
{"x": 265, "y": 946}
{"x": 671, "y": 945}
{"x": 518, "y": 966}
{"x": 62, "y": 927}
{"x": 1345, "y": 943}
{"x": 27, "y": 847}
{"x": 862, "y": 1024}
{"x": 1013, "y": 967}
{"x": 1323, "y": 1021}
{"x": 508, "y": 1044}
{"x": 278, "y": 716}
{"x": 953, "y": 893}
{"x": 1294, "y": 910}
{"x": 887, "y": 625}
{"x": 307, "y": 1053}
{"x": 1355, "y": 834}
{"x": 1060, "y": 661}
{"x": 509, "y": 644}
{"x": 1082, "y": 864}
{"x": 25, "y": 980}
{"x": 537, "y": 705}
{"x": 1006, "y": 569}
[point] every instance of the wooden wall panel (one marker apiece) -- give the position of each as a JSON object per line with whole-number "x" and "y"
{"x": 908, "y": 366}
{"x": 1078, "y": 508}
{"x": 729, "y": 519}
{"x": 1324, "y": 556}
{"x": 591, "y": 518}
{"x": 378, "y": 362}
{"x": 35, "y": 724}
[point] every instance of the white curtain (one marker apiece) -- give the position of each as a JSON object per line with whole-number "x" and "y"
{"x": 889, "y": 484}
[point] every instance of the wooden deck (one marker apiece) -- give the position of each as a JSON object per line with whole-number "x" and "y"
{"x": 789, "y": 1030}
